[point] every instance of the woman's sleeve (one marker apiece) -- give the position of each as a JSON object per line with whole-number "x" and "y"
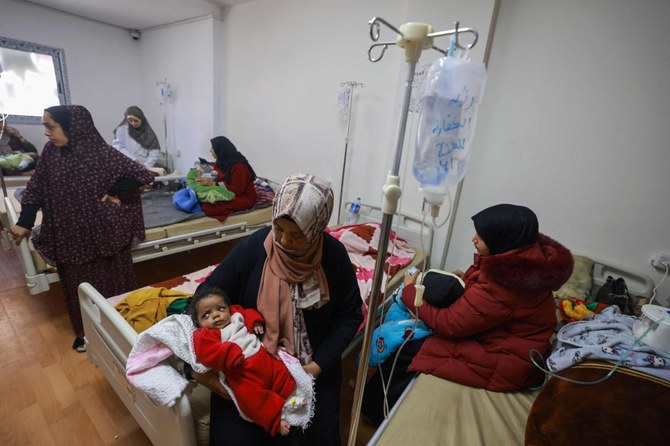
{"x": 475, "y": 312}
{"x": 152, "y": 158}
{"x": 234, "y": 270}
{"x": 119, "y": 142}
{"x": 347, "y": 313}
{"x": 241, "y": 176}
{"x": 34, "y": 195}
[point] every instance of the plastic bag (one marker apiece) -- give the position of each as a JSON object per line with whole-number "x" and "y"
{"x": 453, "y": 89}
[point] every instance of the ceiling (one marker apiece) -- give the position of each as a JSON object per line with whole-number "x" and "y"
{"x": 138, "y": 14}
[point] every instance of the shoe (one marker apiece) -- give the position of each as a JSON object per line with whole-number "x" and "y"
{"x": 79, "y": 345}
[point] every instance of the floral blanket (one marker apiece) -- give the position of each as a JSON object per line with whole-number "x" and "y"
{"x": 361, "y": 241}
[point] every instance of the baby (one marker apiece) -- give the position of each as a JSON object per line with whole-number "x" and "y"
{"x": 226, "y": 341}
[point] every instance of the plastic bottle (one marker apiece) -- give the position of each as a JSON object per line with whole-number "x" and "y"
{"x": 354, "y": 211}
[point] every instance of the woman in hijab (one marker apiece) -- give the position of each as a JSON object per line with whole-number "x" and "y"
{"x": 236, "y": 174}
{"x": 483, "y": 339}
{"x": 301, "y": 280}
{"x": 91, "y": 209}
{"x": 135, "y": 138}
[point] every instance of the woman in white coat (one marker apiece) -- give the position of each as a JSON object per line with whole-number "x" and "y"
{"x": 135, "y": 138}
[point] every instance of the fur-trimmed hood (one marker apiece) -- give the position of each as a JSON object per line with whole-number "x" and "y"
{"x": 543, "y": 266}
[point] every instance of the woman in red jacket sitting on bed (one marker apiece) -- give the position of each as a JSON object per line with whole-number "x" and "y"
{"x": 484, "y": 338}
{"x": 235, "y": 172}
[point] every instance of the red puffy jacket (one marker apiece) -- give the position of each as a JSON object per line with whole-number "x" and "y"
{"x": 484, "y": 338}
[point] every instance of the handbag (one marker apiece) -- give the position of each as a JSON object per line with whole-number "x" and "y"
{"x": 615, "y": 292}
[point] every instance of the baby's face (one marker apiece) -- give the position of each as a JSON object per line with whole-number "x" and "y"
{"x": 213, "y": 312}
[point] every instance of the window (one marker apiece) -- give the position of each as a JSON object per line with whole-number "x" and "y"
{"x": 32, "y": 78}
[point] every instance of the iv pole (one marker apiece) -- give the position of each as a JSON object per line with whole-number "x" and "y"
{"x": 414, "y": 37}
{"x": 349, "y": 89}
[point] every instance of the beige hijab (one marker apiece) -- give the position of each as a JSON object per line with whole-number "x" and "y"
{"x": 289, "y": 281}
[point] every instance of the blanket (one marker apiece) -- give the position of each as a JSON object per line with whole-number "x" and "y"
{"x": 361, "y": 241}
{"x": 630, "y": 408}
{"x": 607, "y": 336}
{"x": 149, "y": 369}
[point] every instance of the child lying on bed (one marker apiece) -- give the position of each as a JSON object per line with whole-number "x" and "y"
{"x": 441, "y": 289}
{"x": 227, "y": 341}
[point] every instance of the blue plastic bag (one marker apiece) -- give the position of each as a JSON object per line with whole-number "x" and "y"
{"x": 185, "y": 200}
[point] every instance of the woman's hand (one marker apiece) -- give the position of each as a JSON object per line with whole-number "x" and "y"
{"x": 112, "y": 198}
{"x": 210, "y": 380}
{"x": 19, "y": 233}
{"x": 205, "y": 181}
{"x": 313, "y": 369}
{"x": 458, "y": 273}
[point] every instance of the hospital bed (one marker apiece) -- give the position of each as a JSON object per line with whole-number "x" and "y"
{"x": 109, "y": 339}
{"x": 159, "y": 241}
{"x": 434, "y": 411}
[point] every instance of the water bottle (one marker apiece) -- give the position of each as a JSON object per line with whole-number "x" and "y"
{"x": 353, "y": 212}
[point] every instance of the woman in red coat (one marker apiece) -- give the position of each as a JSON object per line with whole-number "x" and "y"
{"x": 235, "y": 172}
{"x": 484, "y": 338}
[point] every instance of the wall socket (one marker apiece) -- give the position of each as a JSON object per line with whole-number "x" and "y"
{"x": 661, "y": 260}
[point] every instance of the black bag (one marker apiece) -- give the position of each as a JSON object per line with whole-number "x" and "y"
{"x": 615, "y": 292}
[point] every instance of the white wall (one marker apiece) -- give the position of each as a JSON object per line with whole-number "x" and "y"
{"x": 184, "y": 54}
{"x": 575, "y": 125}
{"x": 102, "y": 61}
{"x": 284, "y": 63}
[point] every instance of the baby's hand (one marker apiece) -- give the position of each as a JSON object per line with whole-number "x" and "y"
{"x": 258, "y": 329}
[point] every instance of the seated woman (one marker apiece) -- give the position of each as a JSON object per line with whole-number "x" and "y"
{"x": 301, "y": 280}
{"x": 135, "y": 138}
{"x": 483, "y": 338}
{"x": 17, "y": 154}
{"x": 236, "y": 174}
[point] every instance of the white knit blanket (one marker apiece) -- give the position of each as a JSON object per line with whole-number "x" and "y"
{"x": 148, "y": 368}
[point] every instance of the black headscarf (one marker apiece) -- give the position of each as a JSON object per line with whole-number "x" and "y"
{"x": 227, "y": 156}
{"x": 144, "y": 134}
{"x": 506, "y": 226}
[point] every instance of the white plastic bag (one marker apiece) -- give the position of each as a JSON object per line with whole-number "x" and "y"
{"x": 452, "y": 93}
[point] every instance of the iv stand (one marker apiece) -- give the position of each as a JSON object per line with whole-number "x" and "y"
{"x": 350, "y": 86}
{"x": 414, "y": 37}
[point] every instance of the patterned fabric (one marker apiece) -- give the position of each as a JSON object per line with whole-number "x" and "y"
{"x": 110, "y": 276}
{"x": 69, "y": 183}
{"x": 290, "y": 281}
{"x": 144, "y": 134}
{"x": 308, "y": 200}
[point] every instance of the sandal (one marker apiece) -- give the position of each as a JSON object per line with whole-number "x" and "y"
{"x": 79, "y": 345}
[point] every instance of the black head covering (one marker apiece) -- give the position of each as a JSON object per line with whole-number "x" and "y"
{"x": 144, "y": 134}
{"x": 506, "y": 226}
{"x": 227, "y": 156}
{"x": 61, "y": 114}
{"x": 441, "y": 289}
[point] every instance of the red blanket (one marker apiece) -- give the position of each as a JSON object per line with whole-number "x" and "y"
{"x": 361, "y": 242}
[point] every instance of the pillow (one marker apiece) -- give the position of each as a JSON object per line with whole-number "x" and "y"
{"x": 579, "y": 284}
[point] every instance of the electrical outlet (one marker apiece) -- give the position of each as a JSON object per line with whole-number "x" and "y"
{"x": 661, "y": 261}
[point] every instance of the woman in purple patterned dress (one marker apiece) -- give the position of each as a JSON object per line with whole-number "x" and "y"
{"x": 91, "y": 209}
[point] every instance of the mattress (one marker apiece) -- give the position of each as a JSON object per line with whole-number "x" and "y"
{"x": 456, "y": 414}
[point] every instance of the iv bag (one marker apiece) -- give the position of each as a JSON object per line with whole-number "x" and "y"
{"x": 453, "y": 90}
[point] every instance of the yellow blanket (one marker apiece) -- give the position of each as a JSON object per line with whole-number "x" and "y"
{"x": 144, "y": 307}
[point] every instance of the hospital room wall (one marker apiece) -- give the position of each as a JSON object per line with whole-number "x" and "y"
{"x": 284, "y": 62}
{"x": 102, "y": 61}
{"x": 574, "y": 125}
